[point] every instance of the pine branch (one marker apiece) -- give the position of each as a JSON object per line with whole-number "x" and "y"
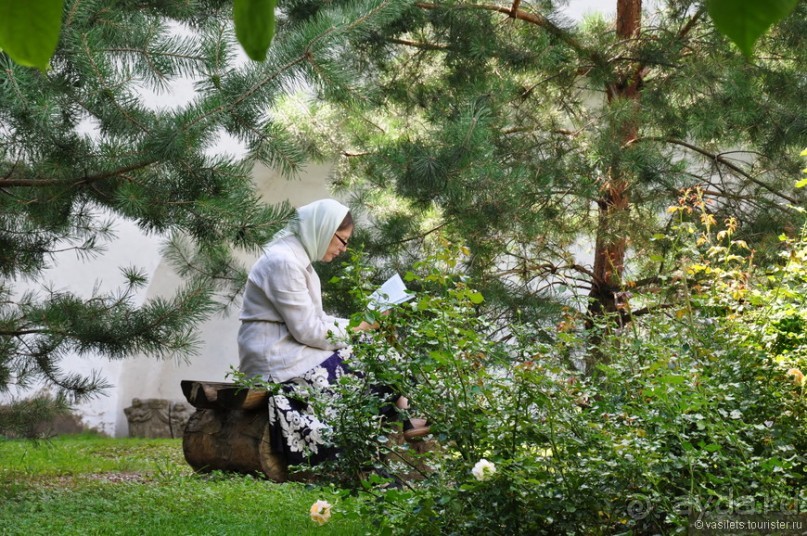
{"x": 110, "y": 90}
{"x": 691, "y": 22}
{"x": 642, "y": 68}
{"x": 306, "y": 56}
{"x": 532, "y": 18}
{"x": 416, "y": 44}
{"x": 8, "y": 182}
{"x": 720, "y": 159}
{"x": 420, "y": 236}
{"x": 148, "y": 54}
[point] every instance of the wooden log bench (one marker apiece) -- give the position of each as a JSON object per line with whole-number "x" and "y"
{"x": 229, "y": 431}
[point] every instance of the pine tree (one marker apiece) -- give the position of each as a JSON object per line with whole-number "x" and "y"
{"x": 525, "y": 135}
{"x": 78, "y": 146}
{"x": 506, "y": 126}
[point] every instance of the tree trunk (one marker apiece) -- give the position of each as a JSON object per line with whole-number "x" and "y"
{"x": 614, "y": 201}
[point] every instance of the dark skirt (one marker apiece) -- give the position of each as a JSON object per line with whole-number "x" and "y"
{"x": 297, "y": 431}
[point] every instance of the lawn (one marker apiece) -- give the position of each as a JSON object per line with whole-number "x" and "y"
{"x": 88, "y": 484}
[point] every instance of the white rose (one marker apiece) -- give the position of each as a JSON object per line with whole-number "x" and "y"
{"x": 483, "y": 470}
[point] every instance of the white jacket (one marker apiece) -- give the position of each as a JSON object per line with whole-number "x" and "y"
{"x": 284, "y": 331}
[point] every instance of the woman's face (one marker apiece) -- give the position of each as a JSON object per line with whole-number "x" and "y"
{"x": 338, "y": 244}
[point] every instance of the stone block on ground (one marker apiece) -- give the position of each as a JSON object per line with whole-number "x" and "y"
{"x": 157, "y": 417}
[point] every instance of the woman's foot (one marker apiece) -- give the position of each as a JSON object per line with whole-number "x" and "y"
{"x": 415, "y": 428}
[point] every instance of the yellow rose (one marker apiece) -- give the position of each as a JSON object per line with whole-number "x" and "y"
{"x": 321, "y": 512}
{"x": 798, "y": 376}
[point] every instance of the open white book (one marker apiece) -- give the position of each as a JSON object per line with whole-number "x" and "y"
{"x": 392, "y": 292}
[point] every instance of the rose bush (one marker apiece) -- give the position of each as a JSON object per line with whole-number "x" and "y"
{"x": 693, "y": 408}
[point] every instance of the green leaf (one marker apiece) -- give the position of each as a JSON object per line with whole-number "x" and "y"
{"x": 254, "y": 26}
{"x": 672, "y": 379}
{"x": 440, "y": 356}
{"x": 801, "y": 184}
{"x": 744, "y": 21}
{"x": 29, "y": 31}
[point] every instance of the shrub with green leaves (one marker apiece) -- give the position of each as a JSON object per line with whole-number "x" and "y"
{"x": 698, "y": 405}
{"x": 30, "y": 417}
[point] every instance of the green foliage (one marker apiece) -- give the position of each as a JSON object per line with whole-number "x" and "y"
{"x": 745, "y": 21}
{"x": 528, "y": 139}
{"x": 29, "y": 32}
{"x": 30, "y": 35}
{"x": 25, "y": 418}
{"x": 254, "y": 26}
{"x": 81, "y": 147}
{"x": 698, "y": 406}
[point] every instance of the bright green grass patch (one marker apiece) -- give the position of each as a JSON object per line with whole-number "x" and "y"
{"x": 83, "y": 454}
{"x": 93, "y": 485}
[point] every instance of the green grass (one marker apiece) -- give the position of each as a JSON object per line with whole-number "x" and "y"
{"x": 94, "y": 485}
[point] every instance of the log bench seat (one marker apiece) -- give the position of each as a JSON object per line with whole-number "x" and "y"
{"x": 222, "y": 395}
{"x": 229, "y": 431}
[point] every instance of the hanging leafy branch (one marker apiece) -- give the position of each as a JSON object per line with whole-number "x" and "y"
{"x": 745, "y": 21}
{"x": 29, "y": 31}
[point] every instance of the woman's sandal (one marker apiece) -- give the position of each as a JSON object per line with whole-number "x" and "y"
{"x": 415, "y": 428}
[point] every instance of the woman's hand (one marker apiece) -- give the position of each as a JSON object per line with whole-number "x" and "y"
{"x": 366, "y": 326}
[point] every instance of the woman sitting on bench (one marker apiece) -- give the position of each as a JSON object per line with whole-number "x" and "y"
{"x": 286, "y": 337}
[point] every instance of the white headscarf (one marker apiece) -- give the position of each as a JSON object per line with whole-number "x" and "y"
{"x": 315, "y": 225}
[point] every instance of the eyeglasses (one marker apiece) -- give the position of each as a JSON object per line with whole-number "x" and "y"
{"x": 342, "y": 240}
